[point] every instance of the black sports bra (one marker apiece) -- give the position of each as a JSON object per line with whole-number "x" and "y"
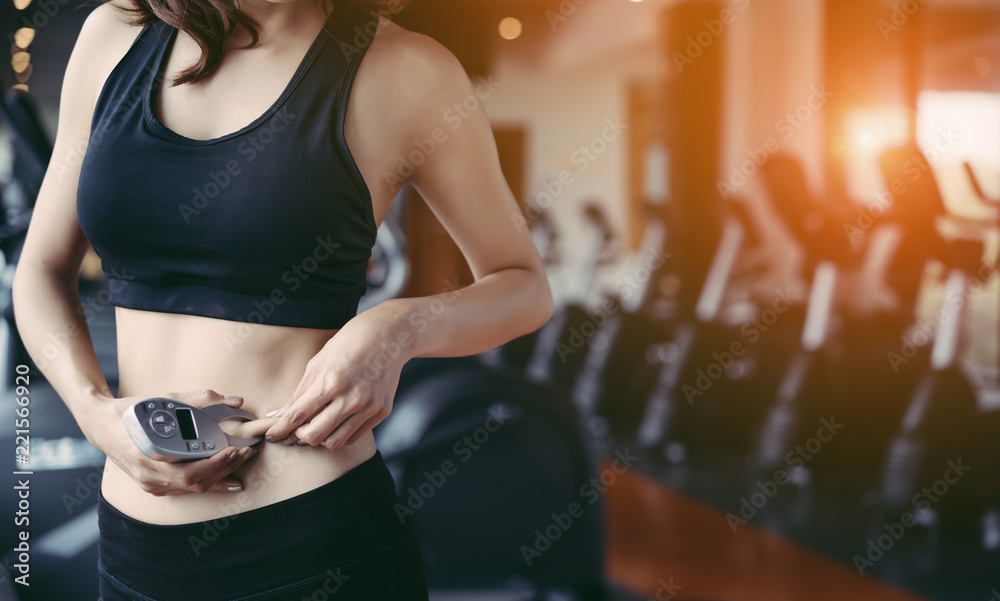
{"x": 270, "y": 224}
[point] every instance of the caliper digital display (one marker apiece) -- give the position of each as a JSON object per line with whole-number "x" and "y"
{"x": 186, "y": 423}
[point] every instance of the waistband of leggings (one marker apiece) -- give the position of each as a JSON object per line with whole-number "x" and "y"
{"x": 337, "y": 523}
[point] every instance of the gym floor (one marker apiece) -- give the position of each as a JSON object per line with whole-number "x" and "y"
{"x": 682, "y": 536}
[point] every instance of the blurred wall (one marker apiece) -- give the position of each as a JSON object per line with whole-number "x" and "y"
{"x": 564, "y": 77}
{"x": 565, "y": 81}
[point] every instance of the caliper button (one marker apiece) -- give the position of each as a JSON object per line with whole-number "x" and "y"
{"x": 163, "y": 423}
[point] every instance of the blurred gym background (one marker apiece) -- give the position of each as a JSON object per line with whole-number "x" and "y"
{"x": 772, "y": 231}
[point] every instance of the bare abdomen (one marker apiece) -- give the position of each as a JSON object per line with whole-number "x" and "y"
{"x": 162, "y": 353}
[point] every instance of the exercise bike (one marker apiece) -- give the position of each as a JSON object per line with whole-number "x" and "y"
{"x": 483, "y": 458}
{"x": 682, "y": 411}
{"x": 943, "y": 427}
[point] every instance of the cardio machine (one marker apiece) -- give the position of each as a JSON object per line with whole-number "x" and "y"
{"x": 943, "y": 421}
{"x": 692, "y": 404}
{"x": 483, "y": 458}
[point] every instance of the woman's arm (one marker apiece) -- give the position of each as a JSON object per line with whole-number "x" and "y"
{"x": 46, "y": 290}
{"x": 462, "y": 183}
{"x": 46, "y": 294}
{"x": 348, "y": 387}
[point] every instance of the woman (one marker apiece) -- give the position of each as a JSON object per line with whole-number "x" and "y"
{"x": 234, "y": 207}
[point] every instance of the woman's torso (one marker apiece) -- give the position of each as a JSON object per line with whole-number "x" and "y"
{"x": 161, "y": 352}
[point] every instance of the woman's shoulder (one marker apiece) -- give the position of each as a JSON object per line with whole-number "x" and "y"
{"x": 410, "y": 52}
{"x": 414, "y": 72}
{"x": 110, "y": 27}
{"x": 105, "y": 38}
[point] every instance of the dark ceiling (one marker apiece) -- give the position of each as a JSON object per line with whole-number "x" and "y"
{"x": 464, "y": 26}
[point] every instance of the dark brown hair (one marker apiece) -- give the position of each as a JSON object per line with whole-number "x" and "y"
{"x": 212, "y": 22}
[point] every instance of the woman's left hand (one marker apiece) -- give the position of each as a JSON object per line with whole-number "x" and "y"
{"x": 347, "y": 387}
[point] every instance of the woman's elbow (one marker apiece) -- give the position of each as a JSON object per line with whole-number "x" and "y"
{"x": 20, "y": 296}
{"x": 17, "y": 287}
{"x": 542, "y": 301}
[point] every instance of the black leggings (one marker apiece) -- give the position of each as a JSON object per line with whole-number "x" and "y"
{"x": 342, "y": 541}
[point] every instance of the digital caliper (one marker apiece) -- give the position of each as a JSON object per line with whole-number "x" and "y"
{"x": 169, "y": 430}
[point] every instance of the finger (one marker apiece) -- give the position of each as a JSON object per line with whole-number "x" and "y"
{"x": 365, "y": 428}
{"x": 296, "y": 434}
{"x": 188, "y": 474}
{"x": 291, "y": 414}
{"x": 308, "y": 381}
{"x": 249, "y": 429}
{"x": 298, "y": 413}
{"x": 153, "y": 489}
{"x": 232, "y": 400}
{"x": 168, "y": 491}
{"x": 344, "y": 432}
{"x": 222, "y": 482}
{"x": 158, "y": 485}
{"x": 205, "y": 397}
{"x": 324, "y": 423}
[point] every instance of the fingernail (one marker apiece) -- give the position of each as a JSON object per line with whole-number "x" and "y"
{"x": 235, "y": 488}
{"x": 233, "y": 455}
{"x": 287, "y": 441}
{"x": 250, "y": 453}
{"x": 302, "y": 442}
{"x": 272, "y": 413}
{"x": 270, "y": 438}
{"x": 230, "y": 397}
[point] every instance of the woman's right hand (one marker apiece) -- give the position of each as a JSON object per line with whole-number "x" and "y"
{"x": 160, "y": 478}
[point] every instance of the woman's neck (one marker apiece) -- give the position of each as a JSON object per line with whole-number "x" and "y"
{"x": 280, "y": 21}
